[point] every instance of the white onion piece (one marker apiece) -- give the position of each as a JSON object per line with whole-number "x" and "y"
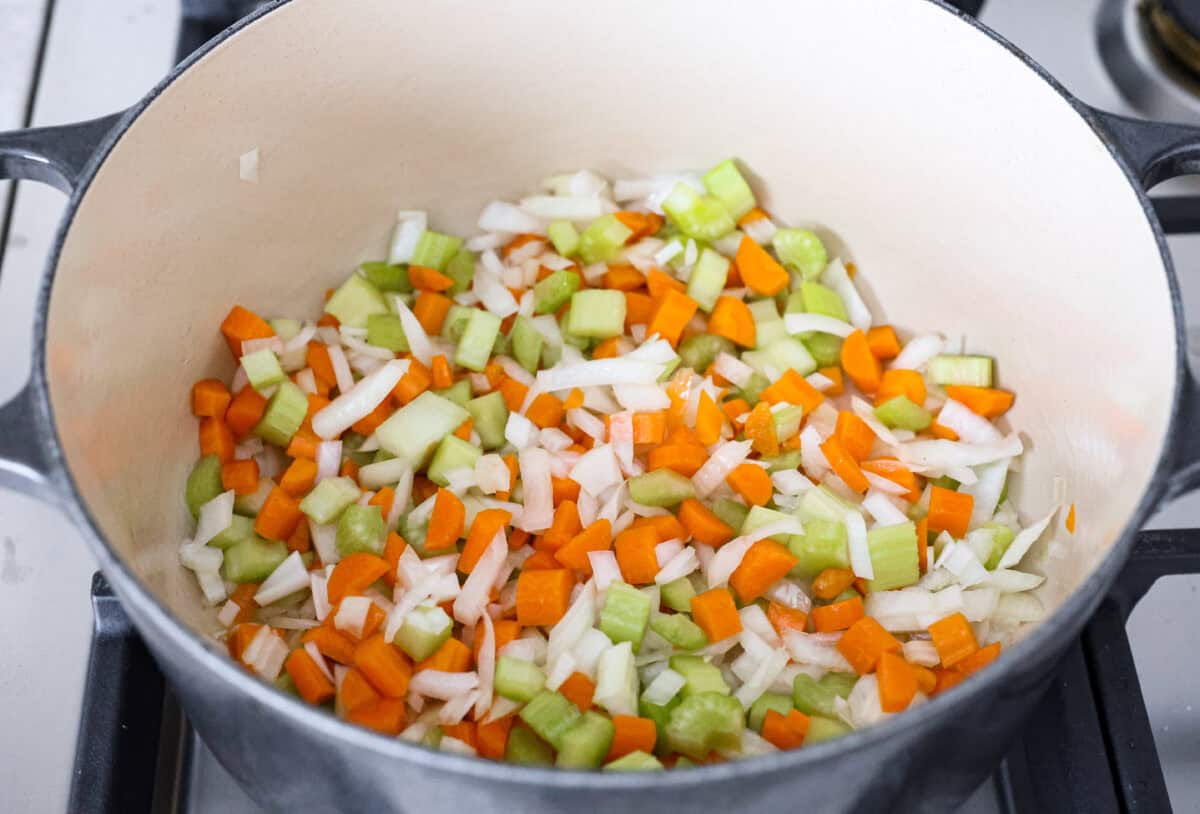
{"x": 383, "y": 473}
{"x": 682, "y": 564}
{"x": 290, "y": 576}
{"x": 856, "y": 538}
{"x": 835, "y": 277}
{"x": 917, "y": 353}
{"x": 727, "y": 457}
{"x": 641, "y": 398}
{"x": 970, "y": 427}
{"x": 922, "y": 652}
{"x": 960, "y": 560}
{"x": 667, "y": 550}
{"x": 763, "y": 678}
{"x": 578, "y": 619}
{"x": 986, "y": 490}
{"x": 597, "y": 373}
{"x": 810, "y": 648}
{"x": 605, "y": 570}
{"x": 418, "y": 341}
{"x": 665, "y": 686}
{"x": 203, "y": 559}
{"x": 880, "y": 507}
{"x": 556, "y": 207}
{"x": 341, "y": 368}
{"x": 669, "y": 251}
{"x": 351, "y": 616}
{"x": 324, "y": 540}
{"x": 790, "y": 482}
{"x": 1018, "y": 608}
{"x": 979, "y": 603}
{"x": 271, "y": 343}
{"x": 520, "y": 431}
{"x": 617, "y": 681}
{"x": 215, "y": 516}
{"x": 1011, "y": 582}
{"x": 1023, "y": 541}
{"x": 409, "y": 227}
{"x": 732, "y": 369}
{"x": 359, "y": 401}
{"x": 941, "y": 455}
{"x": 538, "y": 511}
{"x": 485, "y": 664}
{"x": 442, "y": 685}
{"x": 729, "y": 556}
{"x": 494, "y": 296}
{"x": 804, "y": 323}
{"x": 228, "y": 614}
{"x": 582, "y": 420}
{"x": 329, "y": 459}
{"x": 473, "y": 598}
{"x": 819, "y": 381}
{"x": 491, "y": 474}
{"x": 811, "y": 457}
{"x": 552, "y": 439}
{"x": 755, "y": 622}
{"x": 500, "y": 216}
{"x": 864, "y": 706}
{"x": 597, "y": 470}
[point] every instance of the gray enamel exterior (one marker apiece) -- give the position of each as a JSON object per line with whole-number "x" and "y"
{"x": 291, "y": 757}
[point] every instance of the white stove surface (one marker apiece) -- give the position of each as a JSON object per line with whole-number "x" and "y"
{"x": 101, "y": 57}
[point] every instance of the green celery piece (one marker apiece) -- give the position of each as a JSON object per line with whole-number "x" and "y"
{"x": 661, "y": 715}
{"x": 413, "y": 431}
{"x": 453, "y": 453}
{"x": 760, "y": 516}
{"x": 840, "y": 683}
{"x": 550, "y": 715}
{"x": 456, "y": 322}
{"x": 819, "y": 299}
{"x": 678, "y": 628}
{"x": 425, "y": 629}
{"x": 489, "y": 414}
{"x": 356, "y": 300}
{"x": 677, "y": 595}
{"x": 707, "y": 280}
{"x": 822, "y": 545}
{"x": 433, "y": 737}
{"x": 701, "y": 350}
{"x": 901, "y": 413}
{"x": 973, "y": 371}
{"x": 361, "y": 529}
{"x": 725, "y": 183}
{"x": 575, "y": 341}
{"x": 787, "y": 420}
{"x": 328, "y": 499}
{"x": 821, "y": 729}
{"x": 699, "y": 675}
{"x": 249, "y": 505}
{"x": 387, "y": 277}
{"x": 662, "y": 487}
{"x": 826, "y": 349}
{"x": 801, "y": 250}
{"x": 551, "y": 354}
{"x": 458, "y": 393}
{"x": 625, "y": 614}
{"x": 849, "y": 593}
{"x": 811, "y": 698}
{"x": 893, "y": 556}
{"x": 789, "y": 352}
{"x": 203, "y": 484}
{"x": 704, "y": 722}
{"x": 285, "y": 684}
{"x": 768, "y": 700}
{"x": 518, "y": 679}
{"x": 385, "y": 331}
{"x": 564, "y": 236}
{"x": 768, "y": 325}
{"x": 527, "y": 342}
{"x": 284, "y": 328}
{"x": 586, "y": 743}
{"x": 731, "y": 513}
{"x": 638, "y": 761}
{"x": 946, "y": 482}
{"x": 475, "y": 346}
{"x": 822, "y": 504}
{"x": 460, "y": 269}
{"x": 783, "y": 461}
{"x": 555, "y": 291}
{"x": 1002, "y": 537}
{"x": 795, "y": 305}
{"x": 702, "y": 217}
{"x": 597, "y": 313}
{"x": 602, "y": 240}
{"x": 525, "y": 748}
{"x": 240, "y": 528}
{"x": 683, "y": 763}
{"x": 434, "y": 250}
{"x": 262, "y": 369}
{"x": 252, "y": 560}
{"x": 285, "y": 412}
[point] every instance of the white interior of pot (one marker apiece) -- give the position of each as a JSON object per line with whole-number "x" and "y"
{"x": 972, "y": 197}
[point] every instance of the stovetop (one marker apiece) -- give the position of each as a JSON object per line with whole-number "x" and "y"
{"x": 1092, "y": 745}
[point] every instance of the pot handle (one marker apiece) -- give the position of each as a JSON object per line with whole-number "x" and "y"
{"x": 1155, "y": 152}
{"x": 56, "y": 156}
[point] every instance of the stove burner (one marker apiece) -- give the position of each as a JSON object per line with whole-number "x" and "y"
{"x": 1176, "y": 27}
{"x": 1151, "y": 49}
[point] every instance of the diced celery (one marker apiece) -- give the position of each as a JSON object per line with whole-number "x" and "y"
{"x": 783, "y": 461}
{"x": 973, "y": 371}
{"x": 527, "y": 342}
{"x": 285, "y": 329}
{"x": 727, "y": 185}
{"x": 661, "y": 715}
{"x": 602, "y": 240}
{"x": 361, "y": 529}
{"x": 819, "y": 299}
{"x": 252, "y": 560}
{"x": 328, "y": 498}
{"x": 787, "y": 420}
{"x": 678, "y": 628}
{"x": 564, "y": 236}
{"x": 731, "y": 513}
{"x": 789, "y": 352}
{"x": 415, "y": 429}
{"x": 356, "y": 300}
{"x": 597, "y": 313}
{"x": 586, "y": 743}
{"x": 385, "y": 331}
{"x": 946, "y": 482}
{"x": 1002, "y": 537}
{"x": 458, "y": 393}
{"x": 262, "y": 369}
{"x": 707, "y": 280}
{"x": 839, "y": 683}
{"x": 826, "y": 349}
{"x": 574, "y": 340}
{"x": 684, "y": 763}
{"x": 460, "y": 269}
{"x": 900, "y": 413}
{"x": 555, "y": 291}
{"x": 625, "y": 615}
{"x": 704, "y": 722}
{"x": 203, "y": 484}
{"x": 662, "y": 487}
{"x": 434, "y": 250}
{"x": 764, "y": 311}
{"x": 453, "y": 453}
{"x": 456, "y": 322}
{"x": 811, "y": 698}
{"x": 524, "y": 748}
{"x": 240, "y": 528}
{"x": 638, "y": 761}
{"x": 475, "y": 346}
{"x": 550, "y": 715}
{"x": 489, "y": 414}
{"x": 699, "y": 216}
{"x": 285, "y": 412}
{"x": 699, "y": 676}
{"x": 701, "y": 350}
{"x": 893, "y": 556}
{"x": 425, "y": 629}
{"x": 801, "y": 250}
{"x": 821, "y": 729}
{"x": 677, "y": 595}
{"x": 822, "y": 545}
{"x": 760, "y": 516}
{"x": 518, "y": 679}
{"x": 285, "y": 684}
{"x": 822, "y": 504}
{"x": 768, "y": 700}
{"x": 387, "y": 277}
{"x": 249, "y": 505}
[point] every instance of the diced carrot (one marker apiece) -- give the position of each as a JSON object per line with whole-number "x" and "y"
{"x": 844, "y": 465}
{"x": 452, "y": 657}
{"x": 649, "y": 428}
{"x": 415, "y": 381}
{"x": 638, "y": 308}
{"x": 686, "y": 459}
{"x": 945, "y": 433}
{"x": 210, "y": 398}
{"x": 304, "y": 444}
{"x": 332, "y": 643}
{"x": 793, "y": 388}
{"x": 241, "y": 476}
{"x": 243, "y": 597}
{"x": 239, "y": 638}
{"x": 446, "y": 522}
{"x": 658, "y": 283}
{"x": 1070, "y": 521}
{"x": 897, "y": 683}
{"x": 763, "y": 565}
{"x": 491, "y": 737}
{"x": 463, "y": 731}
{"x": 543, "y": 596}
{"x": 672, "y": 313}
{"x": 510, "y": 461}
{"x": 860, "y": 363}
{"x": 946, "y": 679}
{"x": 317, "y": 358}
{"x": 328, "y": 320}
{"x": 666, "y": 526}
{"x": 443, "y": 376}
{"x": 702, "y": 524}
{"x": 216, "y": 439}
{"x": 386, "y": 716}
{"x": 608, "y": 349}
{"x": 855, "y": 435}
{"x": 513, "y": 392}
{"x": 578, "y": 689}
{"x": 923, "y": 544}
{"x": 950, "y": 511}
{"x": 545, "y": 411}
{"x": 785, "y": 731}
{"x": 831, "y": 582}
{"x": 349, "y": 469}
{"x": 300, "y": 476}
{"x": 242, "y": 324}
{"x": 735, "y": 408}
{"x": 574, "y": 399}
{"x": 299, "y": 539}
{"x": 563, "y": 489}
{"x": 631, "y": 734}
{"x": 783, "y": 618}
{"x": 563, "y": 527}
{"x": 716, "y": 614}
{"x": 709, "y": 420}
{"x": 383, "y": 499}
{"x": 371, "y": 421}
{"x": 623, "y": 278}
{"x": 424, "y": 278}
{"x": 751, "y": 216}
{"x": 985, "y": 401}
{"x": 834, "y": 374}
{"x": 954, "y": 639}
{"x": 384, "y": 665}
{"x": 278, "y": 516}
{"x": 635, "y": 555}
{"x": 354, "y": 574}
{"x": 752, "y": 482}
{"x": 731, "y": 318}
{"x": 759, "y": 429}
{"x": 837, "y": 615}
{"x": 356, "y": 691}
{"x": 926, "y": 680}
{"x": 430, "y": 310}
{"x": 884, "y": 342}
{"x": 758, "y": 269}
{"x": 897, "y": 473}
{"x": 864, "y": 642}
{"x": 899, "y": 382}
{"x": 596, "y": 537}
{"x": 310, "y": 682}
{"x": 392, "y": 550}
{"x": 979, "y": 659}
{"x": 642, "y": 224}
{"x": 484, "y": 528}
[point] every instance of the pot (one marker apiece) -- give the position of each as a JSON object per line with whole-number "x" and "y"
{"x": 976, "y": 195}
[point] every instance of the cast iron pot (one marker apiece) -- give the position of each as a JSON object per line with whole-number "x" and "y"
{"x": 977, "y": 196}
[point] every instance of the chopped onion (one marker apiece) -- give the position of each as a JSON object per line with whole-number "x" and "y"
{"x": 229, "y": 612}
{"x": 215, "y": 516}
{"x": 729, "y": 556}
{"x": 597, "y": 470}
{"x": 979, "y": 603}
{"x": 442, "y": 685}
{"x": 732, "y": 369}
{"x": 556, "y": 207}
{"x": 318, "y": 585}
{"x": 341, "y": 368}
{"x": 491, "y": 474}
{"x": 922, "y": 652}
{"x": 329, "y": 459}
{"x": 473, "y": 598}
{"x": 790, "y": 482}
{"x": 383, "y": 473}
{"x": 682, "y": 564}
{"x": 598, "y": 373}
{"x": 538, "y": 511}
{"x": 552, "y": 439}
{"x": 971, "y": 428}
{"x": 359, "y": 401}
{"x": 351, "y": 616}
{"x": 1025, "y": 540}
{"x": 1011, "y": 582}
{"x": 414, "y": 332}
{"x": 805, "y": 323}
{"x": 1018, "y": 608}
{"x": 324, "y": 540}
{"x": 499, "y": 216}
{"x": 665, "y": 686}
{"x": 865, "y": 708}
{"x": 452, "y": 712}
{"x": 485, "y": 664}
{"x": 880, "y": 507}
{"x": 641, "y": 398}
{"x": 941, "y": 455}
{"x": 755, "y": 622}
{"x": 409, "y": 227}
{"x": 763, "y": 678}
{"x": 724, "y": 460}
{"x": 605, "y": 570}
{"x": 290, "y": 576}
{"x": 809, "y": 648}
{"x": 856, "y": 538}
{"x": 960, "y": 560}
{"x": 667, "y": 550}
{"x": 917, "y": 353}
{"x": 811, "y": 457}
{"x": 835, "y": 277}
{"x": 271, "y": 343}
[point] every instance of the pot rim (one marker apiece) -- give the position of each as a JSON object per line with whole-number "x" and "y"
{"x": 1046, "y": 637}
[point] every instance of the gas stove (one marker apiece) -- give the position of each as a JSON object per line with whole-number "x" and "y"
{"x": 1116, "y": 732}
